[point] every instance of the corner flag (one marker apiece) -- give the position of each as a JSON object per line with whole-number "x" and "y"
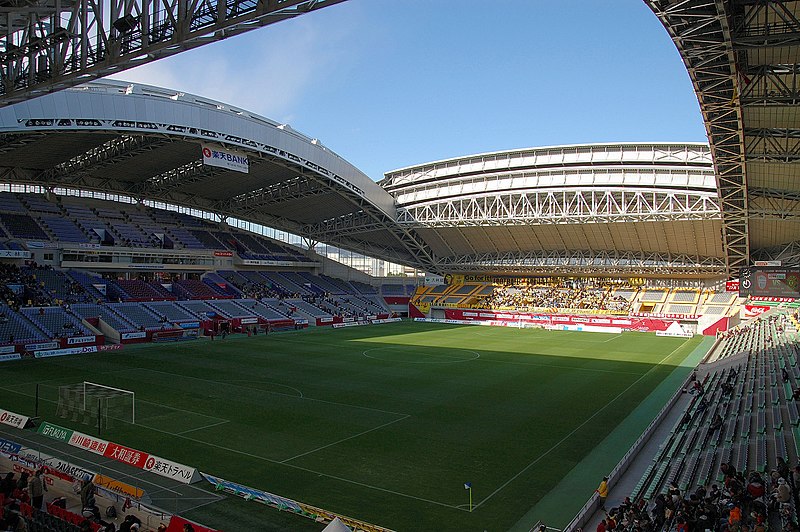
{"x": 467, "y": 485}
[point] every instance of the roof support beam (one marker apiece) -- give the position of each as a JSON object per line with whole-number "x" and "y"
{"x": 704, "y": 39}
{"x": 107, "y": 154}
{"x": 50, "y": 45}
{"x": 586, "y": 262}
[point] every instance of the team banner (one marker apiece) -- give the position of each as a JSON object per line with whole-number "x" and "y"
{"x": 769, "y": 282}
{"x": 15, "y": 420}
{"x": 225, "y": 158}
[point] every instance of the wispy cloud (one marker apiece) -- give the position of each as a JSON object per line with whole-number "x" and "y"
{"x": 269, "y": 71}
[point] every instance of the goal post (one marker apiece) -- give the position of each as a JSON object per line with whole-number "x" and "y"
{"x": 90, "y": 389}
{"x": 91, "y": 403}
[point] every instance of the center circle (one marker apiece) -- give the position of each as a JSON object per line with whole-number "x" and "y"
{"x": 414, "y": 354}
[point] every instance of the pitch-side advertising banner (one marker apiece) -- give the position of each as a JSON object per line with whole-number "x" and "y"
{"x": 10, "y": 418}
{"x": 225, "y": 158}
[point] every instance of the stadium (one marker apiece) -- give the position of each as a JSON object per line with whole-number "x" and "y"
{"x": 570, "y": 335}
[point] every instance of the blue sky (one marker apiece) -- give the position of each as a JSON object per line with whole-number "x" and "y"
{"x": 392, "y": 83}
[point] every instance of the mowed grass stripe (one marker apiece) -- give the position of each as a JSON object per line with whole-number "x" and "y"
{"x": 481, "y": 420}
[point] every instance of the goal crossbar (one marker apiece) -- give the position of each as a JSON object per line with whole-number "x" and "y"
{"x": 111, "y": 388}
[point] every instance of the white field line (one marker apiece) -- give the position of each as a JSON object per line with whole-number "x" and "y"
{"x": 565, "y": 438}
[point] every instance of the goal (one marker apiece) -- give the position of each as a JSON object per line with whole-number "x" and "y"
{"x": 90, "y": 403}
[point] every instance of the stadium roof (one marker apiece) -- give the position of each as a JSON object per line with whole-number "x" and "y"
{"x": 615, "y": 209}
{"x": 145, "y": 143}
{"x": 743, "y": 59}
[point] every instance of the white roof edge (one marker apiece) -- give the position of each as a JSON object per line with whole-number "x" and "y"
{"x": 552, "y": 147}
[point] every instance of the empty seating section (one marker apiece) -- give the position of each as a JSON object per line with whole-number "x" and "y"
{"x": 304, "y": 281}
{"x": 194, "y": 289}
{"x": 375, "y": 303}
{"x": 722, "y": 298}
{"x": 394, "y": 290}
{"x": 363, "y": 288}
{"x": 14, "y": 328}
{"x": 337, "y": 286}
{"x": 132, "y": 236}
{"x": 88, "y": 282}
{"x": 654, "y": 296}
{"x": 185, "y": 238}
{"x": 464, "y": 290}
{"x": 221, "y": 284}
{"x": 680, "y": 309}
{"x": 105, "y": 313}
{"x": 307, "y": 308}
{"x": 262, "y": 309}
{"x": 231, "y": 309}
{"x": 438, "y": 290}
{"x": 88, "y": 220}
{"x": 10, "y": 203}
{"x": 756, "y": 418}
{"x": 22, "y": 226}
{"x": 287, "y": 285}
{"x": 38, "y": 204}
{"x": 200, "y": 309}
{"x": 321, "y": 284}
{"x": 207, "y": 239}
{"x": 685, "y": 296}
{"x": 56, "y": 321}
{"x": 137, "y": 290}
{"x": 172, "y": 311}
{"x": 64, "y": 229}
{"x": 139, "y": 315}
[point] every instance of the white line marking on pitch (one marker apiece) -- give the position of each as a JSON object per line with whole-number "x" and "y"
{"x": 204, "y": 427}
{"x": 293, "y": 466}
{"x": 299, "y": 392}
{"x": 456, "y": 360}
{"x": 275, "y": 393}
{"x": 562, "y": 440}
{"x": 344, "y": 439}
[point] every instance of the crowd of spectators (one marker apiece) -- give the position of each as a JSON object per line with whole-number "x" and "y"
{"x": 523, "y": 297}
{"x": 20, "y": 287}
{"x": 744, "y": 502}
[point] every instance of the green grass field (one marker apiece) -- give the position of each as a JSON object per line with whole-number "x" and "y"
{"x": 383, "y": 423}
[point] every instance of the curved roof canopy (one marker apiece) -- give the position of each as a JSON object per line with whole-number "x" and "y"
{"x": 621, "y": 208}
{"x": 743, "y": 57}
{"x": 145, "y": 142}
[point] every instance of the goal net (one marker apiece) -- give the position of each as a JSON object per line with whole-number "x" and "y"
{"x": 96, "y": 404}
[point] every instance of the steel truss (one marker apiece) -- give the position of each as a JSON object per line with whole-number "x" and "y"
{"x": 406, "y": 247}
{"x": 701, "y": 32}
{"x": 47, "y": 45}
{"x": 788, "y": 254}
{"x": 586, "y": 262}
{"x": 565, "y": 206}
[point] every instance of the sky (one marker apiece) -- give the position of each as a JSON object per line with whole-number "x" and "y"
{"x": 394, "y": 83}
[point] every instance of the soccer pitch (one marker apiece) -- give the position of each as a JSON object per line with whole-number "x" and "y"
{"x": 383, "y": 423}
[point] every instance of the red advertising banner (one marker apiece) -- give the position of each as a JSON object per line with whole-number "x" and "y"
{"x": 120, "y": 453}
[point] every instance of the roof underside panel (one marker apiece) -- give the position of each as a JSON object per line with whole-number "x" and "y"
{"x": 148, "y": 163}
{"x": 773, "y": 232}
{"x": 697, "y": 238}
{"x": 45, "y": 152}
{"x": 773, "y": 175}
